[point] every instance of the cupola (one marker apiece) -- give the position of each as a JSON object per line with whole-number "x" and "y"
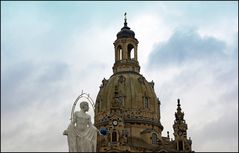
{"x": 126, "y": 53}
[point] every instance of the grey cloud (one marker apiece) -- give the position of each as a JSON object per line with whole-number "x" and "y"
{"x": 223, "y": 130}
{"x": 38, "y": 131}
{"x": 185, "y": 46}
{"x": 53, "y": 72}
{"x": 31, "y": 106}
{"x": 24, "y": 82}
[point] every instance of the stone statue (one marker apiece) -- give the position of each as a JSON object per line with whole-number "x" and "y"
{"x": 81, "y": 134}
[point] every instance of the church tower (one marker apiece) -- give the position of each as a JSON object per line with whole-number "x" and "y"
{"x": 127, "y": 106}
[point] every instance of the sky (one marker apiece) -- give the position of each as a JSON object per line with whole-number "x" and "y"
{"x": 51, "y": 51}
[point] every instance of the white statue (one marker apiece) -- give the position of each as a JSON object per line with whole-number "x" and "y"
{"x": 81, "y": 134}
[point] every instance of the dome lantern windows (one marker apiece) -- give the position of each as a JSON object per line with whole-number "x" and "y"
{"x": 131, "y": 51}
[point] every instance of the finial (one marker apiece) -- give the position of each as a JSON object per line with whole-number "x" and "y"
{"x": 125, "y": 20}
{"x": 179, "y": 108}
{"x": 179, "y": 102}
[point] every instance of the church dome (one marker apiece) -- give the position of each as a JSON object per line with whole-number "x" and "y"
{"x": 133, "y": 94}
{"x": 127, "y": 96}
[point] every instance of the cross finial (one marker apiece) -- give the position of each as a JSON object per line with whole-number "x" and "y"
{"x": 125, "y": 20}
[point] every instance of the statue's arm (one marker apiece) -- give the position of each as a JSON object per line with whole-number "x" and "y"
{"x": 71, "y": 125}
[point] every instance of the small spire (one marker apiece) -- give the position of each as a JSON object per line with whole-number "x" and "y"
{"x": 125, "y": 20}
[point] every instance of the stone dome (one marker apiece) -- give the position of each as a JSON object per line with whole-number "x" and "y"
{"x": 132, "y": 93}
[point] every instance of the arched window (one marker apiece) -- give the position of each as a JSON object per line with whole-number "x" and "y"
{"x": 114, "y": 136}
{"x": 146, "y": 102}
{"x": 180, "y": 145}
{"x": 119, "y": 53}
{"x": 130, "y": 50}
{"x": 154, "y": 138}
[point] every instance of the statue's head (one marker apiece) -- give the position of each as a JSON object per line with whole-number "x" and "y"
{"x": 84, "y": 106}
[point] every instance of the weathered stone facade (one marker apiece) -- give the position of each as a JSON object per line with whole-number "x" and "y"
{"x": 128, "y": 107}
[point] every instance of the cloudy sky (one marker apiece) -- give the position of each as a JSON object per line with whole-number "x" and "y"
{"x": 51, "y": 51}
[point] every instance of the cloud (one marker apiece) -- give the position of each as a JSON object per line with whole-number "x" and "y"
{"x": 221, "y": 133}
{"x": 22, "y": 79}
{"x": 183, "y": 47}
